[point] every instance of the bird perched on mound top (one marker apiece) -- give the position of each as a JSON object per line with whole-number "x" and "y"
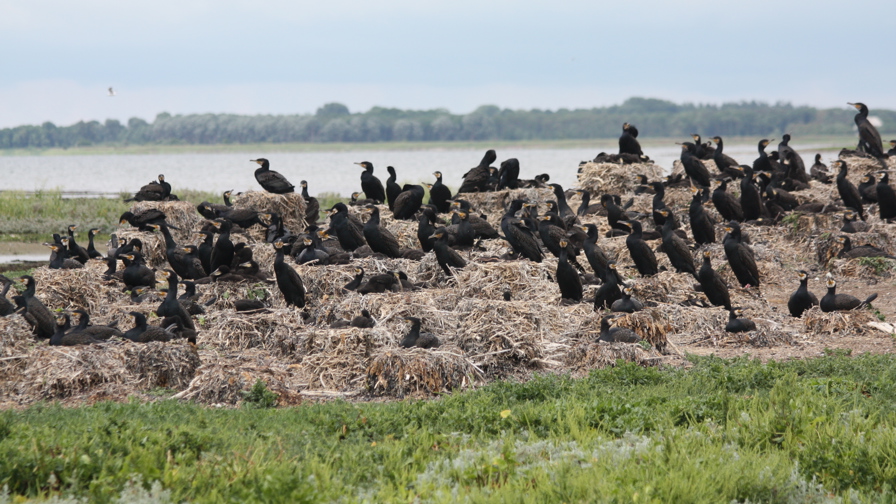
{"x": 476, "y": 179}
{"x": 370, "y": 184}
{"x": 869, "y": 138}
{"x": 415, "y": 338}
{"x": 270, "y": 180}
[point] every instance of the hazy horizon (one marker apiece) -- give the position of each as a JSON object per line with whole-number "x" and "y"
{"x": 290, "y": 58}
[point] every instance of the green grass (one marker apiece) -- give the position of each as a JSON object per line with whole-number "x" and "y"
{"x": 722, "y": 431}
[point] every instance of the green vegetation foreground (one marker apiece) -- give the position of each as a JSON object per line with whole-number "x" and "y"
{"x": 722, "y": 431}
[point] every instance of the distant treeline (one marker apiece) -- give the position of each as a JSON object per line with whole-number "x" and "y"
{"x": 335, "y": 123}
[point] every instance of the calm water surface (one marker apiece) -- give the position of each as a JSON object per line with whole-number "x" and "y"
{"x": 324, "y": 171}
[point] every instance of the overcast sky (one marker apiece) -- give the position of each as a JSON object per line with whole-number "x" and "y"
{"x": 254, "y": 57}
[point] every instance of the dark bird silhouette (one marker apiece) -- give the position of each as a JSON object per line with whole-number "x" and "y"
{"x": 801, "y": 300}
{"x": 370, "y": 184}
{"x": 145, "y": 333}
{"x": 693, "y": 167}
{"x": 848, "y": 192}
{"x": 63, "y": 337}
{"x": 567, "y": 277}
{"x": 702, "y": 225}
{"x": 476, "y": 179}
{"x": 850, "y": 252}
{"x": 356, "y": 281}
{"x": 841, "y": 302}
{"x": 712, "y": 284}
{"x": 726, "y": 165}
{"x": 446, "y": 256}
{"x": 740, "y": 257}
{"x": 222, "y": 252}
{"x": 38, "y": 316}
{"x": 518, "y": 235}
{"x": 616, "y": 334}
{"x": 676, "y": 248}
{"x": 596, "y": 256}
{"x": 349, "y": 230}
{"x": 288, "y": 281}
{"x": 509, "y": 174}
{"x": 628, "y": 142}
{"x": 415, "y": 338}
{"x": 312, "y": 206}
{"x": 627, "y": 304}
{"x": 100, "y": 332}
{"x": 392, "y": 187}
{"x": 727, "y": 205}
{"x": 169, "y": 306}
{"x": 869, "y": 138}
{"x": 868, "y": 189}
{"x": 378, "y": 237}
{"x": 270, "y": 180}
{"x": 609, "y": 291}
{"x": 736, "y": 324}
{"x": 154, "y": 191}
{"x": 143, "y": 219}
{"x": 440, "y": 194}
{"x": 408, "y": 202}
{"x": 819, "y": 171}
{"x": 640, "y": 252}
{"x": 886, "y": 197}
{"x": 762, "y": 163}
{"x": 136, "y": 273}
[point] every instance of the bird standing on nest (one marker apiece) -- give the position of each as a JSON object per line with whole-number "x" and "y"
{"x": 271, "y": 181}
{"x": 370, "y": 184}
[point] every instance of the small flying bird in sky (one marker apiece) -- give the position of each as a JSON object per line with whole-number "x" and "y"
{"x": 111, "y": 92}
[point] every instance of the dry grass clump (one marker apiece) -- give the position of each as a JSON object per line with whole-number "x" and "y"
{"x": 78, "y": 288}
{"x": 650, "y": 324}
{"x": 291, "y": 208}
{"x": 153, "y": 246}
{"x": 337, "y": 359}
{"x": 588, "y": 355}
{"x": 180, "y": 214}
{"x": 860, "y": 166}
{"x": 494, "y": 203}
{"x": 60, "y": 372}
{"x": 841, "y": 323}
{"x": 399, "y": 372}
{"x": 609, "y": 178}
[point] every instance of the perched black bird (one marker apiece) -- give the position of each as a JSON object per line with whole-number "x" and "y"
{"x": 736, "y": 324}
{"x": 390, "y": 281}
{"x": 378, "y": 237}
{"x": 92, "y": 252}
{"x": 848, "y": 192}
{"x": 712, "y": 284}
{"x": 370, "y": 184}
{"x": 762, "y": 163}
{"x": 271, "y": 181}
{"x": 440, "y": 194}
{"x": 567, "y": 277}
{"x": 740, "y": 257}
{"x": 288, "y": 281}
{"x": 349, "y": 230}
{"x": 143, "y": 219}
{"x": 356, "y": 281}
{"x": 616, "y": 334}
{"x": 154, "y": 191}
{"x": 892, "y": 151}
{"x": 312, "y": 206}
{"x": 408, "y": 202}
{"x": 641, "y": 253}
{"x": 869, "y": 138}
{"x": 6, "y": 306}
{"x": 38, "y": 316}
{"x": 868, "y": 189}
{"x": 364, "y": 320}
{"x": 801, "y": 300}
{"x": 446, "y": 256}
{"x": 392, "y": 187}
{"x": 702, "y": 225}
{"x": 841, "y": 302}
{"x": 676, "y": 248}
{"x": 693, "y": 167}
{"x": 518, "y": 235}
{"x": 850, "y": 252}
{"x": 608, "y": 292}
{"x": 136, "y": 273}
{"x": 886, "y": 197}
{"x": 750, "y": 199}
{"x": 597, "y": 258}
{"x": 819, "y": 171}
{"x": 60, "y": 258}
{"x": 222, "y": 252}
{"x": 145, "y": 333}
{"x": 509, "y": 174}
{"x": 63, "y": 338}
{"x": 627, "y": 304}
{"x": 415, "y": 338}
{"x": 426, "y": 222}
{"x": 726, "y": 165}
{"x": 727, "y": 205}
{"x": 476, "y": 179}
{"x": 100, "y": 332}
{"x": 169, "y": 306}
{"x": 628, "y": 143}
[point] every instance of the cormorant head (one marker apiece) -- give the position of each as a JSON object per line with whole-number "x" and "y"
{"x": 861, "y": 107}
{"x": 802, "y": 275}
{"x": 303, "y": 183}
{"x": 663, "y": 212}
{"x": 124, "y": 218}
{"x": 831, "y": 283}
{"x": 625, "y": 126}
{"x": 129, "y": 257}
{"x": 707, "y": 254}
{"x": 307, "y": 241}
{"x": 611, "y": 265}
{"x": 359, "y": 271}
{"x": 161, "y": 178}
{"x": 367, "y": 165}
{"x": 93, "y": 231}
{"x": 365, "y": 313}
{"x": 764, "y": 142}
{"x": 247, "y": 264}
{"x": 261, "y": 161}
{"x": 627, "y": 290}
{"x": 563, "y": 243}
{"x": 61, "y": 318}
{"x": 278, "y": 244}
{"x": 716, "y": 139}
{"x": 842, "y": 239}
{"x": 391, "y": 170}
{"x": 437, "y": 174}
{"x": 696, "y": 137}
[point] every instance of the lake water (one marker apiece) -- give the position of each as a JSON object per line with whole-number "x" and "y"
{"x": 325, "y": 171}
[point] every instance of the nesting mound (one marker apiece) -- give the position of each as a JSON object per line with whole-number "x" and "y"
{"x": 291, "y": 208}
{"x": 590, "y": 355}
{"x": 62, "y": 372}
{"x": 415, "y": 371}
{"x": 846, "y": 323}
{"x": 494, "y": 203}
{"x": 180, "y": 214}
{"x": 608, "y": 178}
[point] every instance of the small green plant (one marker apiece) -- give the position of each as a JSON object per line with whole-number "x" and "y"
{"x": 880, "y": 316}
{"x": 824, "y": 236}
{"x": 645, "y": 344}
{"x": 259, "y": 396}
{"x": 793, "y": 220}
{"x": 257, "y": 292}
{"x": 878, "y": 264}
{"x": 838, "y": 352}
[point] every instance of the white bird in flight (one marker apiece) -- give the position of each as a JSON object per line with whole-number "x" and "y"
{"x": 111, "y": 92}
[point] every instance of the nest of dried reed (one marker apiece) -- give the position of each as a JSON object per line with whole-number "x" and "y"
{"x": 609, "y": 178}
{"x": 401, "y": 372}
{"x": 291, "y": 208}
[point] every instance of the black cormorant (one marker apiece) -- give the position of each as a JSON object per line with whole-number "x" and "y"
{"x": 378, "y": 237}
{"x": 886, "y": 197}
{"x": 100, "y": 332}
{"x": 676, "y": 249}
{"x": 597, "y": 258}
{"x": 92, "y": 252}
{"x": 712, "y": 284}
{"x": 640, "y": 252}
{"x": 740, "y": 257}
{"x": 567, "y": 277}
{"x": 628, "y": 143}
{"x": 727, "y": 205}
{"x": 616, "y": 334}
{"x": 143, "y": 218}
{"x": 169, "y": 306}
{"x": 446, "y": 256}
{"x": 408, "y": 202}
{"x": 356, "y": 280}
{"x": 136, "y": 273}
{"x": 222, "y": 252}
{"x": 370, "y": 184}
{"x": 62, "y": 338}
{"x": 801, "y": 300}
{"x": 819, "y": 171}
{"x": 41, "y": 320}
{"x": 736, "y": 324}
{"x": 145, "y": 333}
{"x": 848, "y": 192}
{"x": 609, "y": 292}
{"x": 476, "y": 179}
{"x": 868, "y": 189}
{"x": 509, "y": 174}
{"x": 626, "y": 304}
{"x": 694, "y": 168}
{"x": 288, "y": 281}
{"x": 312, "y": 206}
{"x": 520, "y": 237}
{"x": 750, "y": 200}
{"x": 702, "y": 225}
{"x": 271, "y": 181}
{"x": 392, "y": 187}
{"x": 725, "y": 164}
{"x": 154, "y": 191}
{"x": 762, "y": 163}
{"x": 850, "y": 252}
{"x": 440, "y": 194}
{"x": 415, "y": 338}
{"x": 349, "y": 231}
{"x": 869, "y": 138}
{"x": 841, "y": 302}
